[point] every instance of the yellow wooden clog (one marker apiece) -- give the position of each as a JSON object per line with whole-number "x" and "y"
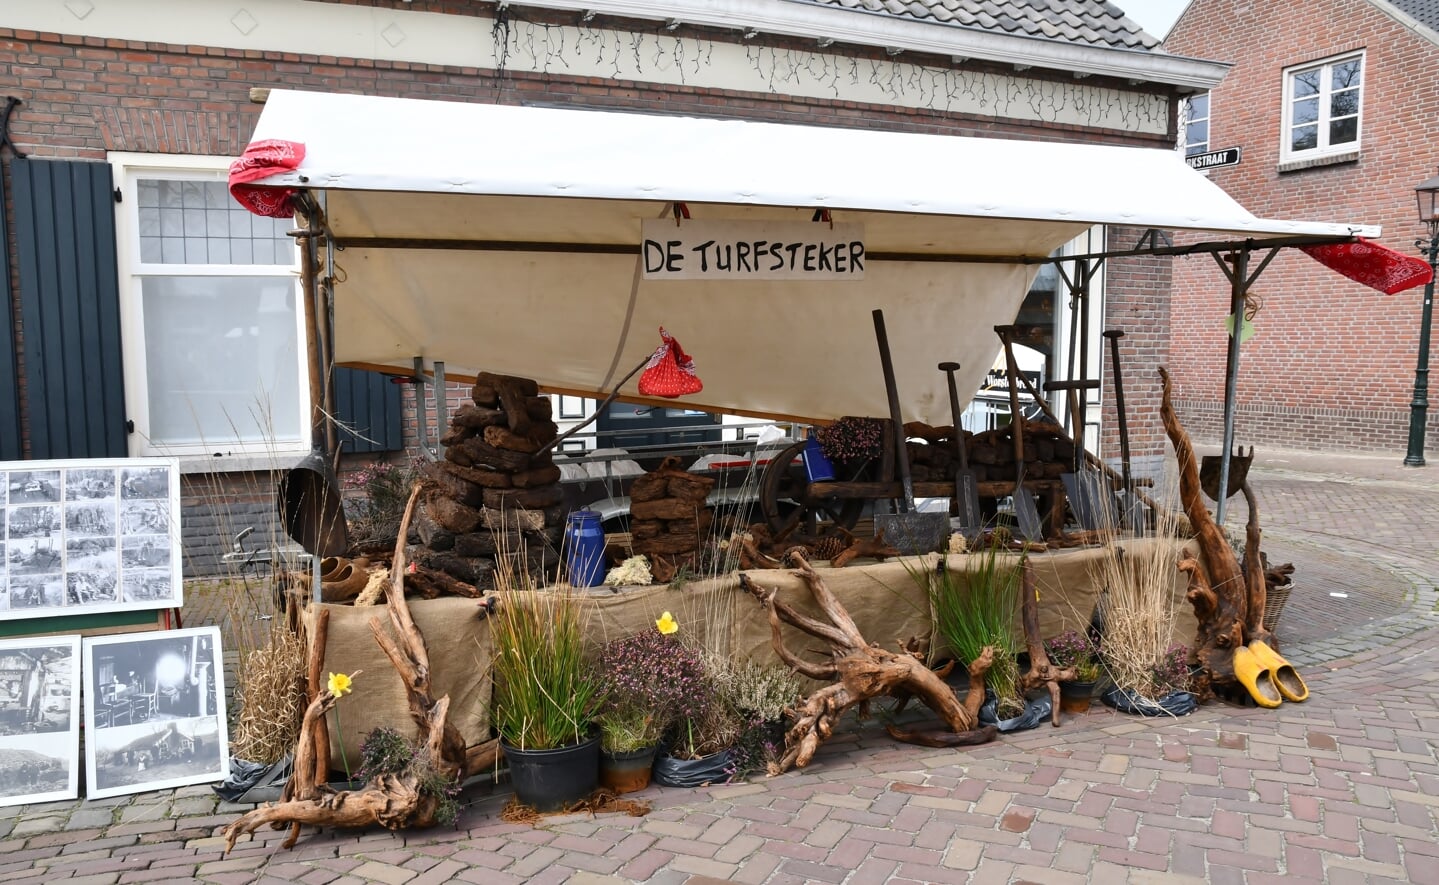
{"x": 1256, "y": 677}
{"x": 1286, "y": 678}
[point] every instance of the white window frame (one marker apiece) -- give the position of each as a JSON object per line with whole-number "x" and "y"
{"x": 211, "y": 455}
{"x": 1187, "y": 118}
{"x": 1323, "y": 148}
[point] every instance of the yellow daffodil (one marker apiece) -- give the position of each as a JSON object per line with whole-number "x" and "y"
{"x": 340, "y": 685}
{"x": 667, "y": 624}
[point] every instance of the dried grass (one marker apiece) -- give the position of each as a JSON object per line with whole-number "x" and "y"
{"x": 1139, "y": 606}
{"x": 601, "y": 801}
{"x": 271, "y": 692}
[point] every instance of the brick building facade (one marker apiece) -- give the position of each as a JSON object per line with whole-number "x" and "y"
{"x": 1331, "y": 365}
{"x": 113, "y": 84}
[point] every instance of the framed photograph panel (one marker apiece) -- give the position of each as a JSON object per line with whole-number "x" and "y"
{"x": 154, "y": 711}
{"x": 78, "y": 537}
{"x": 39, "y": 719}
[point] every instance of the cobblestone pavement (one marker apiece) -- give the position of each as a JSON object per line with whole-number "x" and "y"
{"x": 1343, "y": 788}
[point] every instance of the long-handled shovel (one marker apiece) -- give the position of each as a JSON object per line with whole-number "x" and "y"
{"x": 1025, "y": 513}
{"x": 966, "y": 488}
{"x": 908, "y": 530}
{"x": 1090, "y": 496}
{"x": 1132, "y": 516}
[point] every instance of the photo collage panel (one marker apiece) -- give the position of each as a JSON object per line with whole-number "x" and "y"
{"x": 82, "y": 536}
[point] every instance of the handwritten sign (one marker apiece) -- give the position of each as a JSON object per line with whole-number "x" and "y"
{"x": 751, "y": 250}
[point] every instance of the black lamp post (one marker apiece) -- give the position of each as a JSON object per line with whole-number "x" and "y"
{"x": 1428, "y": 195}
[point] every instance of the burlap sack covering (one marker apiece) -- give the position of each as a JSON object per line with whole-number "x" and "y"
{"x": 1069, "y": 584}
{"x": 886, "y": 602}
{"x": 459, "y": 646}
{"x": 1069, "y": 587}
{"x": 704, "y": 610}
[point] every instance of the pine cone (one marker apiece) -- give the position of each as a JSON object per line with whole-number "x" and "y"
{"x": 827, "y": 548}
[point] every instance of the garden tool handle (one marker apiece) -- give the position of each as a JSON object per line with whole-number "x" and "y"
{"x": 906, "y": 503}
{"x": 949, "y": 369}
{"x": 1114, "y": 335}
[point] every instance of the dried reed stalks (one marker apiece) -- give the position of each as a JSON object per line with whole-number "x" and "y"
{"x": 1139, "y": 604}
{"x": 271, "y": 692}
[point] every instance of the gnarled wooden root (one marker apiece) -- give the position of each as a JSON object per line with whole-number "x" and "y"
{"x": 1041, "y": 671}
{"x": 861, "y": 671}
{"x": 390, "y": 800}
{"x": 1221, "y": 601}
{"x": 939, "y": 735}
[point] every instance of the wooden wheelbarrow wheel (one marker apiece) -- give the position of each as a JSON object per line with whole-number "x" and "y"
{"x": 783, "y": 482}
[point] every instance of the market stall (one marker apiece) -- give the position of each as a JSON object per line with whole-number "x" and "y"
{"x": 478, "y": 238}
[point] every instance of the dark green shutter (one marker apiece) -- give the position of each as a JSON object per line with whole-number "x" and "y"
{"x": 69, "y": 308}
{"x": 10, "y": 449}
{"x": 368, "y": 408}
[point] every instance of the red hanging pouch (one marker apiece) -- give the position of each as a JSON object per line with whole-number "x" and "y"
{"x": 670, "y": 372}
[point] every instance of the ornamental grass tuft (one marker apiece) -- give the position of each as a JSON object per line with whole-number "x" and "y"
{"x": 546, "y": 693}
{"x": 976, "y": 608}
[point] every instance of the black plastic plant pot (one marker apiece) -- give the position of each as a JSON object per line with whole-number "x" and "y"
{"x": 551, "y": 780}
{"x": 702, "y": 772}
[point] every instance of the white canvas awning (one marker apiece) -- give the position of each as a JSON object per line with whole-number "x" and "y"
{"x": 506, "y": 239}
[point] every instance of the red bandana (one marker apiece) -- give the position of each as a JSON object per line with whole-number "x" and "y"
{"x": 262, "y": 159}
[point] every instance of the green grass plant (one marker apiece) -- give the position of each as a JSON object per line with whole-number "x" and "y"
{"x": 546, "y": 693}
{"x": 975, "y": 608}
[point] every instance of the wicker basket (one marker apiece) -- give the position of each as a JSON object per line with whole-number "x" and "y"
{"x": 1274, "y": 599}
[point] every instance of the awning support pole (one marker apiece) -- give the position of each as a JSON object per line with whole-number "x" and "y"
{"x": 1079, "y": 289}
{"x": 327, "y": 302}
{"x": 1085, "y": 273}
{"x": 314, "y": 353}
{"x": 1239, "y": 282}
{"x": 422, "y": 410}
{"x": 442, "y": 406}
{"x": 1237, "y": 287}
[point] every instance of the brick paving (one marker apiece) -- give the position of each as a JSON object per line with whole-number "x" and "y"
{"x": 1343, "y": 788}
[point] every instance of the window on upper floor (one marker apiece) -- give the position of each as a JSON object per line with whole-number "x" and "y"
{"x": 212, "y": 335}
{"x": 1322, "y": 102}
{"x": 1194, "y": 124}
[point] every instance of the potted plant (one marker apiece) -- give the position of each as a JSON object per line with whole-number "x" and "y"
{"x": 643, "y": 679}
{"x": 546, "y": 696}
{"x": 1138, "y": 604}
{"x": 762, "y": 695}
{"x": 1073, "y": 649}
{"x": 698, "y": 745}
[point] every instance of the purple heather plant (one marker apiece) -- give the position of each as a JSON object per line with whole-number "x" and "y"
{"x": 852, "y": 439}
{"x": 1172, "y": 674}
{"x": 648, "y": 680}
{"x": 1074, "y": 649}
{"x": 761, "y": 741}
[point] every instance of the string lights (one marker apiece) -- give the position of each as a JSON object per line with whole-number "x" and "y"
{"x": 667, "y": 54}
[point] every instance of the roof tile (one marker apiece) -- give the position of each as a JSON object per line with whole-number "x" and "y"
{"x": 1088, "y": 22}
{"x": 1424, "y": 11}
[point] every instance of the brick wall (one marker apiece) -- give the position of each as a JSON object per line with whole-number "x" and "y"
{"x": 1136, "y": 303}
{"x": 214, "y": 508}
{"x": 1331, "y": 365}
{"x": 85, "y": 96}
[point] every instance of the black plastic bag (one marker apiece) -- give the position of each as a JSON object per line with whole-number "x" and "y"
{"x": 1176, "y": 703}
{"x": 1035, "y": 712}
{"x": 246, "y": 775}
{"x": 712, "y": 769}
